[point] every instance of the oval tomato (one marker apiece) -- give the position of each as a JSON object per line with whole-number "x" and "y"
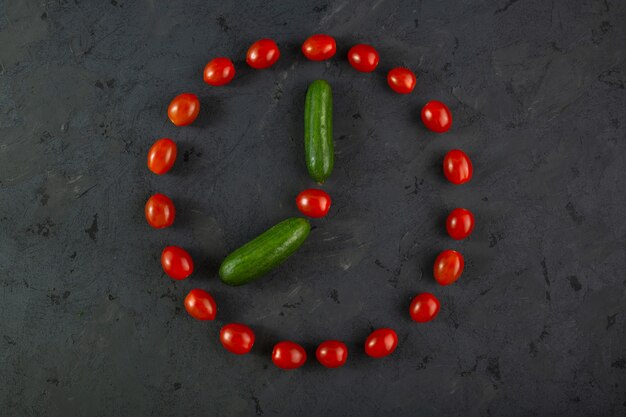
{"x": 176, "y": 262}
{"x": 381, "y": 342}
{"x": 160, "y": 211}
{"x": 436, "y": 116}
{"x": 161, "y": 156}
{"x": 219, "y": 71}
{"x": 288, "y": 355}
{"x": 237, "y": 338}
{"x": 319, "y": 47}
{"x": 184, "y": 109}
{"x": 401, "y": 80}
{"x": 460, "y": 223}
{"x": 200, "y": 305}
{"x": 424, "y": 307}
{"x": 457, "y": 167}
{"x": 363, "y": 58}
{"x": 332, "y": 353}
{"x": 313, "y": 202}
{"x": 263, "y": 54}
{"x": 448, "y": 267}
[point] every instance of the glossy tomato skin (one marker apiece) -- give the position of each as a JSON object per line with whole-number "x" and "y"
{"x": 263, "y": 54}
{"x": 161, "y": 156}
{"x": 401, "y": 80}
{"x": 424, "y": 307}
{"x": 160, "y": 211}
{"x": 381, "y": 343}
{"x": 219, "y": 71}
{"x": 237, "y": 338}
{"x": 363, "y": 58}
{"x": 332, "y": 353}
{"x": 460, "y": 223}
{"x": 457, "y": 167}
{"x": 184, "y": 109}
{"x": 448, "y": 267}
{"x": 313, "y": 202}
{"x": 436, "y": 116}
{"x": 319, "y": 47}
{"x": 288, "y": 355}
{"x": 176, "y": 262}
{"x": 200, "y": 305}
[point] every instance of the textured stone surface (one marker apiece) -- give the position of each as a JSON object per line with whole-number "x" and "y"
{"x": 92, "y": 327}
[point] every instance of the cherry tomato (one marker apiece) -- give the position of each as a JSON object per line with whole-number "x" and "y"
{"x": 200, "y": 305}
{"x": 448, "y": 267}
{"x": 184, "y": 109}
{"x": 263, "y": 54}
{"x": 436, "y": 116}
{"x": 161, "y": 156}
{"x": 457, "y": 167}
{"x": 332, "y": 353}
{"x": 363, "y": 58}
{"x": 319, "y": 47}
{"x": 401, "y": 80}
{"x": 219, "y": 71}
{"x": 160, "y": 211}
{"x": 424, "y": 307}
{"x": 313, "y": 202}
{"x": 237, "y": 338}
{"x": 381, "y": 342}
{"x": 288, "y": 355}
{"x": 460, "y": 223}
{"x": 176, "y": 262}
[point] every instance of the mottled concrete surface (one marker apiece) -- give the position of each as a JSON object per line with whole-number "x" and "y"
{"x": 92, "y": 327}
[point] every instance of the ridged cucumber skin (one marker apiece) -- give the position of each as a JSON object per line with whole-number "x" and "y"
{"x": 319, "y": 148}
{"x": 265, "y": 252}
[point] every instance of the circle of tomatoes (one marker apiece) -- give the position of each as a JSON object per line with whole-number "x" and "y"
{"x": 448, "y": 267}
{"x": 288, "y": 355}
{"x": 319, "y": 47}
{"x": 262, "y": 54}
{"x": 219, "y": 71}
{"x": 184, "y": 109}
{"x": 460, "y": 223}
{"x": 436, "y": 116}
{"x": 424, "y": 307}
{"x": 161, "y": 156}
{"x": 381, "y": 342}
{"x": 313, "y": 202}
{"x": 200, "y": 305}
{"x": 160, "y": 211}
{"x": 363, "y": 57}
{"x": 457, "y": 167}
{"x": 332, "y": 353}
{"x": 237, "y": 338}
{"x": 401, "y": 80}
{"x": 176, "y": 262}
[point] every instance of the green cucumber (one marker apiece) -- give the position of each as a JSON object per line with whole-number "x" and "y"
{"x": 265, "y": 252}
{"x": 318, "y": 131}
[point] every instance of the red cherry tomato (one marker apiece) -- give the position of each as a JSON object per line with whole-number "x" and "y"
{"x": 219, "y": 71}
{"x": 332, "y": 353}
{"x": 184, "y": 109}
{"x": 424, "y": 307}
{"x": 288, "y": 355}
{"x": 161, "y": 156}
{"x": 460, "y": 223}
{"x": 237, "y": 338}
{"x": 200, "y": 305}
{"x": 401, "y": 80}
{"x": 363, "y": 57}
{"x": 319, "y": 47}
{"x": 263, "y": 54}
{"x": 160, "y": 211}
{"x": 381, "y": 342}
{"x": 313, "y": 202}
{"x": 457, "y": 167}
{"x": 436, "y": 116}
{"x": 448, "y": 267}
{"x": 176, "y": 262}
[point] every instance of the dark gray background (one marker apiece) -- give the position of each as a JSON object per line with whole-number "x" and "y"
{"x": 92, "y": 327}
